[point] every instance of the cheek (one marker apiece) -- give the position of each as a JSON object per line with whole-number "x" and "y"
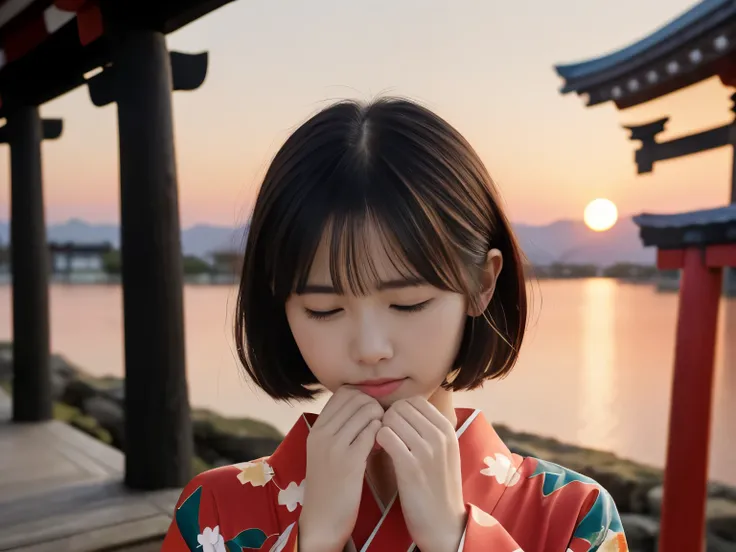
{"x": 319, "y": 346}
{"x": 436, "y": 340}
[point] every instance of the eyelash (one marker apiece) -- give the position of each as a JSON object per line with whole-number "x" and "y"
{"x": 323, "y": 315}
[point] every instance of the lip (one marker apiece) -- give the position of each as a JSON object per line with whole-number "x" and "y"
{"x": 380, "y": 387}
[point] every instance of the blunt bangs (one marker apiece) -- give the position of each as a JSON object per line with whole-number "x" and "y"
{"x": 390, "y": 170}
{"x": 370, "y": 206}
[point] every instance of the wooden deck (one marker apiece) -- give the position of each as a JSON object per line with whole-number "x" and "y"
{"x": 62, "y": 490}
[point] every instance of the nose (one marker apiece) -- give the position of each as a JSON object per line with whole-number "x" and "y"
{"x": 371, "y": 342}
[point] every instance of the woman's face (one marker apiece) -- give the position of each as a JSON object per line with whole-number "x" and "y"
{"x": 406, "y": 333}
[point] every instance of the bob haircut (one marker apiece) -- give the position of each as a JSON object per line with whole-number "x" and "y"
{"x": 395, "y": 167}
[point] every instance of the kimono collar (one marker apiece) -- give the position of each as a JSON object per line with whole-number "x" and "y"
{"x": 477, "y": 439}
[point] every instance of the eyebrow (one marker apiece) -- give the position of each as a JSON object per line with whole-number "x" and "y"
{"x": 383, "y": 285}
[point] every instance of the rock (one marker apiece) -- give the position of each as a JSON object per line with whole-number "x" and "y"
{"x": 62, "y": 373}
{"x": 654, "y": 500}
{"x": 628, "y": 482}
{"x": 719, "y": 490}
{"x": 641, "y": 532}
{"x": 109, "y": 414}
{"x": 234, "y": 439}
{"x": 116, "y": 392}
{"x": 87, "y": 424}
{"x": 207, "y": 422}
{"x": 716, "y": 544}
{"x": 243, "y": 449}
{"x": 77, "y": 392}
{"x": 6, "y": 363}
{"x": 720, "y": 519}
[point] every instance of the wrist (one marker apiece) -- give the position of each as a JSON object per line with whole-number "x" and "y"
{"x": 308, "y": 542}
{"x": 449, "y": 540}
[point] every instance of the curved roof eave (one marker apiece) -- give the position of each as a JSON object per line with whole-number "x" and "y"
{"x": 589, "y": 67}
{"x": 703, "y": 217}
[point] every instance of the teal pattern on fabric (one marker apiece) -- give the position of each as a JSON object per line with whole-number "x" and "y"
{"x": 187, "y": 519}
{"x": 601, "y": 518}
{"x": 250, "y": 538}
{"x": 555, "y": 477}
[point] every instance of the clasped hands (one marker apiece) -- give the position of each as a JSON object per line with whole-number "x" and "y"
{"x": 424, "y": 450}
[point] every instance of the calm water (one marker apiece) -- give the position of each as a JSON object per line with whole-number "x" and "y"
{"x": 596, "y": 368}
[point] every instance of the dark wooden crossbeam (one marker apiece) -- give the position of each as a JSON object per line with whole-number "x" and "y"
{"x": 188, "y": 72}
{"x": 50, "y": 128}
{"x": 652, "y": 151}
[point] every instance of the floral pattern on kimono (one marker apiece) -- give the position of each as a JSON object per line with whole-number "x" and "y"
{"x": 514, "y": 503}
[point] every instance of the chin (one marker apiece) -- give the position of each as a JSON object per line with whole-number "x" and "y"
{"x": 387, "y": 401}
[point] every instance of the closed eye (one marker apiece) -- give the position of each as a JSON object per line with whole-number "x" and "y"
{"x": 321, "y": 315}
{"x": 412, "y": 308}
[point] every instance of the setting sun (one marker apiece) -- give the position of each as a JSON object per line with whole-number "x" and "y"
{"x": 600, "y": 215}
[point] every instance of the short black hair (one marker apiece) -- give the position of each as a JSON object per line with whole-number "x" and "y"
{"x": 399, "y": 167}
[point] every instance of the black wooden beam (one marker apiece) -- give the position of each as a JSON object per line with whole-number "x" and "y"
{"x": 24, "y": 131}
{"x": 188, "y": 72}
{"x": 53, "y": 68}
{"x": 157, "y": 420}
{"x": 652, "y": 151}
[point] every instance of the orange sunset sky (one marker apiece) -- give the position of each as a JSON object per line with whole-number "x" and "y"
{"x": 485, "y": 65}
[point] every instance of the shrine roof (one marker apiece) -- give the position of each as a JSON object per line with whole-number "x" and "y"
{"x": 46, "y": 46}
{"x": 686, "y": 50}
{"x": 675, "y": 231}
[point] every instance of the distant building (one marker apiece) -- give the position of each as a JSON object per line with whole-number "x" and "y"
{"x": 71, "y": 259}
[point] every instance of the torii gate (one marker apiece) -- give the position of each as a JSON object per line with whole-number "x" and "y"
{"x": 696, "y": 45}
{"x": 46, "y": 49}
{"x": 701, "y": 244}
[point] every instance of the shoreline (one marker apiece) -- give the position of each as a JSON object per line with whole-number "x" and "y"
{"x": 94, "y": 405}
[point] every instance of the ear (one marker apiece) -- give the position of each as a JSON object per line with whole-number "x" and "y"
{"x": 489, "y": 277}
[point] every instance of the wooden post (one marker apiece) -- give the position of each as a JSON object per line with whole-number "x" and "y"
{"x": 24, "y": 131}
{"x": 686, "y": 473}
{"x": 159, "y": 447}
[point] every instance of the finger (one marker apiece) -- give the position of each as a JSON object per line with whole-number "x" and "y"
{"x": 395, "y": 419}
{"x": 357, "y": 422}
{"x": 395, "y": 448}
{"x": 334, "y": 404}
{"x": 348, "y": 409}
{"x": 430, "y": 413}
{"x": 363, "y": 444}
{"x": 426, "y": 430}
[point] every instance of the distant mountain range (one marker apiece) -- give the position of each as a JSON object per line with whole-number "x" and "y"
{"x": 565, "y": 241}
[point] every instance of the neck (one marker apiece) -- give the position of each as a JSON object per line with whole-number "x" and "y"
{"x": 379, "y": 468}
{"x": 442, "y": 401}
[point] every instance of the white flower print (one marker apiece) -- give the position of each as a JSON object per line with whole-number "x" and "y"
{"x": 211, "y": 540}
{"x": 483, "y": 518}
{"x": 280, "y": 543}
{"x": 292, "y": 495}
{"x": 502, "y": 469}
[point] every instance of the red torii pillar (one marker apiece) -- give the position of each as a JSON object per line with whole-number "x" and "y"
{"x": 690, "y": 242}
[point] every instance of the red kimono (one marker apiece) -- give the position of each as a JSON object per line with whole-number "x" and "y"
{"x": 514, "y": 504}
